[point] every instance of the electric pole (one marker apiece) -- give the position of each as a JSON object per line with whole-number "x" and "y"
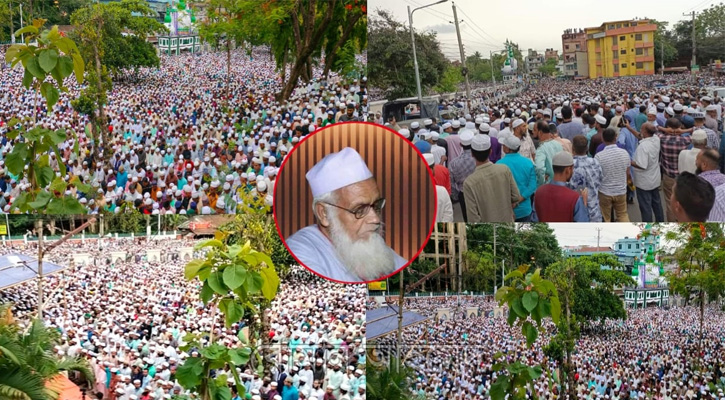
{"x": 662, "y": 57}
{"x": 694, "y": 43}
{"x": 464, "y": 70}
{"x": 599, "y": 236}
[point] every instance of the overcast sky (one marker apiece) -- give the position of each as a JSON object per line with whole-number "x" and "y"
{"x": 532, "y": 24}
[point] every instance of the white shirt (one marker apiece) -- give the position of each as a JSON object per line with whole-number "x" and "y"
{"x": 647, "y": 156}
{"x": 437, "y": 152}
{"x": 686, "y": 160}
{"x": 313, "y": 249}
{"x": 445, "y": 207}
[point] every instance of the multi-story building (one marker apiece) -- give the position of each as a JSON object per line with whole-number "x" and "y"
{"x": 551, "y": 53}
{"x": 533, "y": 61}
{"x": 621, "y": 48}
{"x": 574, "y": 52}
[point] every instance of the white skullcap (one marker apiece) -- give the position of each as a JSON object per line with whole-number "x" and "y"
{"x": 336, "y": 171}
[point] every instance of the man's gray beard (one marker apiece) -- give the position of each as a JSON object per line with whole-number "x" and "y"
{"x": 367, "y": 259}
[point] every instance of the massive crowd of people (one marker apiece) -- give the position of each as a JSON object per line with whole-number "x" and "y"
{"x": 653, "y": 354}
{"x": 129, "y": 317}
{"x": 175, "y": 142}
{"x": 583, "y": 151}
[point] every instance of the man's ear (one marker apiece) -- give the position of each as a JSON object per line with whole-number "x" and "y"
{"x": 322, "y": 216}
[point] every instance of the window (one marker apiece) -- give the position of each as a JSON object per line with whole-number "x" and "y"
{"x": 623, "y": 51}
{"x": 629, "y": 246}
{"x": 623, "y": 38}
{"x": 619, "y": 26}
{"x": 626, "y": 24}
{"x": 638, "y": 36}
{"x": 614, "y": 40}
{"x": 639, "y": 52}
{"x": 616, "y": 70}
{"x": 624, "y": 65}
{"x": 577, "y": 46}
{"x": 611, "y": 26}
{"x": 567, "y": 47}
{"x": 640, "y": 65}
{"x": 614, "y": 55}
{"x": 634, "y": 24}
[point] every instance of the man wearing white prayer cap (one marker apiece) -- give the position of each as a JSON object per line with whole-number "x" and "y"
{"x": 346, "y": 244}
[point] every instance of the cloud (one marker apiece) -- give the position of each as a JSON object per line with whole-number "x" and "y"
{"x": 442, "y": 28}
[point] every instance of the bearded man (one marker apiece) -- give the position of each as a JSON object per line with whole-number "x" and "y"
{"x": 347, "y": 243}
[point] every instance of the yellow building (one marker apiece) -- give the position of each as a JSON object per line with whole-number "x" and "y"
{"x": 621, "y": 48}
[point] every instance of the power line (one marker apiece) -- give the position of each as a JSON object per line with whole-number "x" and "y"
{"x": 476, "y": 25}
{"x": 699, "y": 5}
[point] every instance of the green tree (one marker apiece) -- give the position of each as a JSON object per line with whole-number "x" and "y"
{"x": 57, "y": 57}
{"x": 235, "y": 279}
{"x": 450, "y": 79}
{"x": 664, "y": 47}
{"x": 549, "y": 67}
{"x": 224, "y": 28}
{"x": 390, "y": 60}
{"x": 529, "y": 298}
{"x": 100, "y": 32}
{"x": 28, "y": 360}
{"x": 344, "y": 40}
{"x": 700, "y": 257}
{"x": 388, "y": 382}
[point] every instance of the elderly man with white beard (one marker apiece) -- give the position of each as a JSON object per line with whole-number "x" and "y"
{"x": 347, "y": 242}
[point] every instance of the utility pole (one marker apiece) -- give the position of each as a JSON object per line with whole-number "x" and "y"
{"x": 599, "y": 236}
{"x": 662, "y": 57}
{"x": 415, "y": 57}
{"x": 493, "y": 76}
{"x": 39, "y": 232}
{"x": 400, "y": 323}
{"x": 12, "y": 27}
{"x": 463, "y": 59}
{"x": 22, "y": 35}
{"x": 494, "y": 254}
{"x": 694, "y": 43}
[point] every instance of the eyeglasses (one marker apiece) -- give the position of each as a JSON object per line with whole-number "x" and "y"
{"x": 362, "y": 210}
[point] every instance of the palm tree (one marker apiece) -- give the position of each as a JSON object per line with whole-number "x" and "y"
{"x": 389, "y": 383}
{"x": 27, "y": 360}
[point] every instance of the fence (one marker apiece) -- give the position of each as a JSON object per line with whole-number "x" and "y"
{"x": 372, "y": 293}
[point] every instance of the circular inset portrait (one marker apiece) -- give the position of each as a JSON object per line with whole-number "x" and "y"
{"x": 354, "y": 202}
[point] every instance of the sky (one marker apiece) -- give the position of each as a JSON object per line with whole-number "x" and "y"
{"x": 532, "y": 24}
{"x": 574, "y": 234}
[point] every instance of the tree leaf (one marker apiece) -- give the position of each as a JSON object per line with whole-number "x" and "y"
{"x": 27, "y": 79}
{"x": 216, "y": 281}
{"x": 48, "y": 59}
{"x": 65, "y": 66}
{"x": 214, "y": 351}
{"x": 511, "y": 319}
{"x": 223, "y": 393}
{"x": 16, "y": 160}
{"x": 58, "y": 185}
{"x": 234, "y": 276}
{"x": 82, "y": 187}
{"x": 65, "y": 205}
{"x": 209, "y": 243}
{"x": 41, "y": 199}
{"x": 529, "y": 331}
{"x": 499, "y": 388}
{"x": 27, "y": 29}
{"x": 234, "y": 250}
{"x": 534, "y": 372}
{"x": 271, "y": 282}
{"x": 58, "y": 136}
{"x": 519, "y": 308}
{"x": 33, "y": 66}
{"x": 192, "y": 269}
{"x": 78, "y": 67}
{"x": 530, "y": 300}
{"x": 44, "y": 174}
{"x": 52, "y": 96}
{"x": 206, "y": 293}
{"x": 187, "y": 373}
{"x": 232, "y": 310}
{"x": 555, "y": 309}
{"x": 240, "y": 356}
{"x": 254, "y": 282}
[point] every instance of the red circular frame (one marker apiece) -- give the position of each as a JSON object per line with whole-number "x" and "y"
{"x": 430, "y": 175}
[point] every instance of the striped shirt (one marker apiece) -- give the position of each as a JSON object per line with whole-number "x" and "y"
{"x": 670, "y": 148}
{"x": 460, "y": 168}
{"x": 715, "y": 177}
{"x": 717, "y": 213}
{"x": 614, "y": 162}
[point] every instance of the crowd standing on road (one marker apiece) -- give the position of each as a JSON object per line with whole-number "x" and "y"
{"x": 582, "y": 151}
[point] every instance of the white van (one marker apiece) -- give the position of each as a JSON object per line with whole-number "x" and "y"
{"x": 717, "y": 92}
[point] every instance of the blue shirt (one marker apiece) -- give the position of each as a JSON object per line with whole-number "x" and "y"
{"x": 121, "y": 179}
{"x": 423, "y": 146}
{"x": 524, "y": 174}
{"x": 290, "y": 393}
{"x": 628, "y": 141}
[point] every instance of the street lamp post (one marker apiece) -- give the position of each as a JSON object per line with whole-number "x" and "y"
{"x": 412, "y": 41}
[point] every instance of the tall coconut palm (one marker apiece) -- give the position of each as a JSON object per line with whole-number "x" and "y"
{"x": 27, "y": 360}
